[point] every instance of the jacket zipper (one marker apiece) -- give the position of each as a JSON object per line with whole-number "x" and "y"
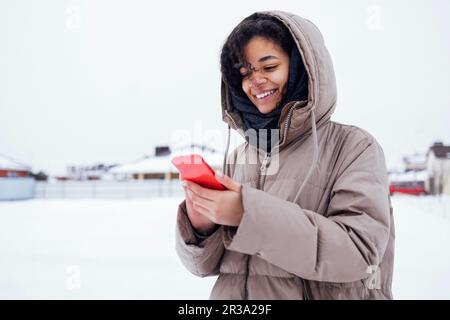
{"x": 288, "y": 120}
{"x": 260, "y": 181}
{"x": 262, "y": 170}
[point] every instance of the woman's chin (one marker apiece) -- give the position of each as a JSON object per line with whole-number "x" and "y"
{"x": 266, "y": 108}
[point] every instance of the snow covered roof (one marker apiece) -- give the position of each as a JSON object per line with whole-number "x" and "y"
{"x": 7, "y": 163}
{"x": 417, "y": 158}
{"x": 421, "y": 175}
{"x": 147, "y": 165}
{"x": 162, "y": 164}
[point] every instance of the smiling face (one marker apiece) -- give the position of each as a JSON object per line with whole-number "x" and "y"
{"x": 266, "y": 86}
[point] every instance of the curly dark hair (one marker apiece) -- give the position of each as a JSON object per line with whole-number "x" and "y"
{"x": 232, "y": 55}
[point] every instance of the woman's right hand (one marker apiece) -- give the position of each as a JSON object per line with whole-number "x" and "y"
{"x": 201, "y": 223}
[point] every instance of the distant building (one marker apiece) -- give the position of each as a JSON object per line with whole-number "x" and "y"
{"x": 159, "y": 165}
{"x": 16, "y": 182}
{"x": 40, "y": 176}
{"x": 412, "y": 179}
{"x": 438, "y": 166}
{"x": 82, "y": 173}
{"x": 409, "y": 182}
{"x": 415, "y": 162}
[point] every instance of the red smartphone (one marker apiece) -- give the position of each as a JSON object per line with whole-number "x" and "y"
{"x": 194, "y": 168}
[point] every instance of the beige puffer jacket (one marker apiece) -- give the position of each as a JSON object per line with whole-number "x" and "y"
{"x": 317, "y": 220}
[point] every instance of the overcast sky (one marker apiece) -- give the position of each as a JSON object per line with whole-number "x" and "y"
{"x": 84, "y": 82}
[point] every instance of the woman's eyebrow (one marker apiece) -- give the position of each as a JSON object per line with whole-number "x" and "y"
{"x": 267, "y": 58}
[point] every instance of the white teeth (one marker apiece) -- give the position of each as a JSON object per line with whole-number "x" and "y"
{"x": 265, "y": 94}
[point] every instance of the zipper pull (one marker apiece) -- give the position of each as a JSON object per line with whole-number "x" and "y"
{"x": 265, "y": 162}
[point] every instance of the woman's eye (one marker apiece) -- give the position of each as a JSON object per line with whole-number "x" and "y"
{"x": 267, "y": 69}
{"x": 270, "y": 68}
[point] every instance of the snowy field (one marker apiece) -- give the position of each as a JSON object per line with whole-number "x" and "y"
{"x": 124, "y": 249}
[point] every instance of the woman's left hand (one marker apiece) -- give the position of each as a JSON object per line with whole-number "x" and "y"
{"x": 222, "y": 207}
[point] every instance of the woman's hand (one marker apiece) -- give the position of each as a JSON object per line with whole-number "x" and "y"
{"x": 217, "y": 207}
{"x": 199, "y": 222}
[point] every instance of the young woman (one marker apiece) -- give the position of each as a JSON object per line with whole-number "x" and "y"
{"x": 311, "y": 218}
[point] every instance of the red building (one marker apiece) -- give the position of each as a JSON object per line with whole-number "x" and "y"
{"x": 6, "y": 173}
{"x": 10, "y": 168}
{"x": 16, "y": 181}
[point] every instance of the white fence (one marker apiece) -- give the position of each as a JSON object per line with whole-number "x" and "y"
{"x": 135, "y": 189}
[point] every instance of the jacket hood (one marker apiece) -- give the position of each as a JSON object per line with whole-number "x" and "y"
{"x": 295, "y": 118}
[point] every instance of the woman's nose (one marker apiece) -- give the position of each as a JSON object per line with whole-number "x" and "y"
{"x": 256, "y": 80}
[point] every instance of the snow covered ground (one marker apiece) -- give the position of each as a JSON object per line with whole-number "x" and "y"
{"x": 124, "y": 249}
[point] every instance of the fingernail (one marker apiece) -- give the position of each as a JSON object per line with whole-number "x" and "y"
{"x": 184, "y": 183}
